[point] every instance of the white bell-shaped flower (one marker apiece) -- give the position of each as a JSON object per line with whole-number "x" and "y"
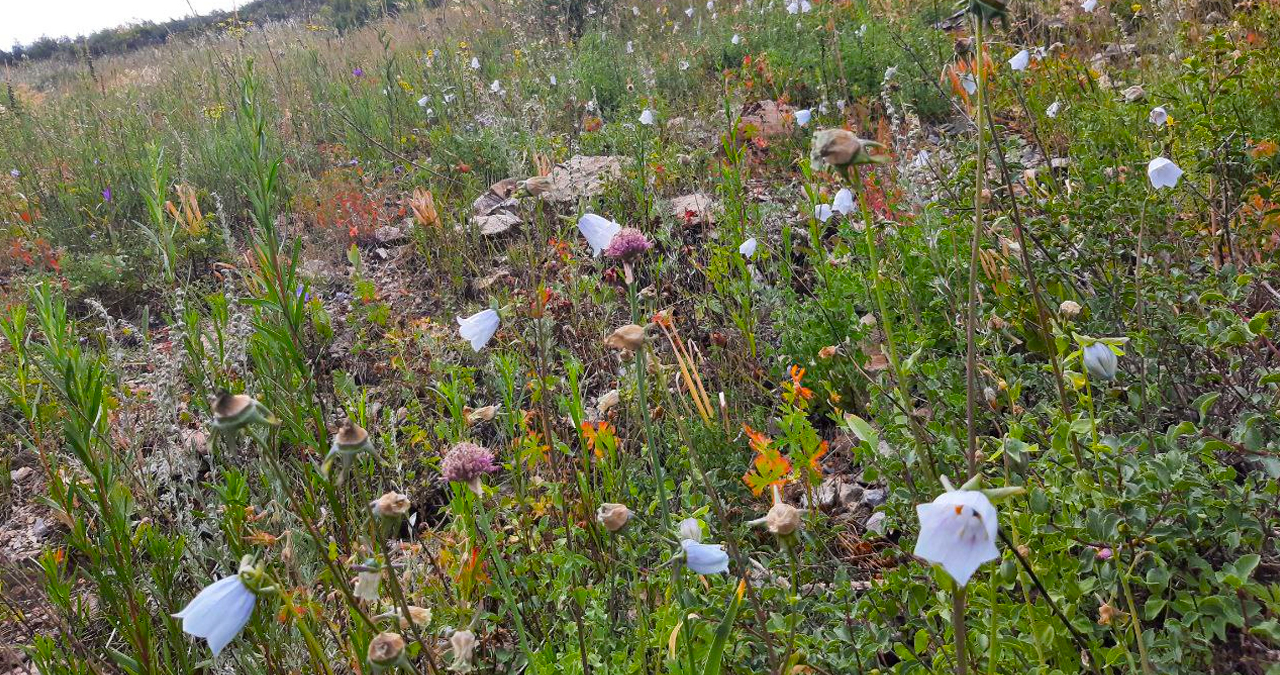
{"x": 822, "y": 212}
{"x": 803, "y": 117}
{"x": 1089, "y": 5}
{"x": 1053, "y": 109}
{"x": 1021, "y": 60}
{"x": 422, "y": 102}
{"x": 843, "y": 203}
{"x": 1163, "y": 173}
{"x": 1100, "y": 361}
{"x": 219, "y": 612}
{"x": 705, "y": 558}
{"x": 736, "y": 39}
{"x": 1158, "y": 116}
{"x": 748, "y": 248}
{"x": 958, "y": 532}
{"x": 598, "y": 230}
{"x": 479, "y": 328}
{"x": 969, "y": 83}
{"x": 475, "y": 63}
{"x": 690, "y": 529}
{"x": 646, "y": 117}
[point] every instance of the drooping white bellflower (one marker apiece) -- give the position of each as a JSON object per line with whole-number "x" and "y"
{"x": 479, "y": 328}
{"x": 1163, "y": 173}
{"x": 219, "y": 612}
{"x": 803, "y": 116}
{"x": 958, "y": 532}
{"x": 843, "y": 202}
{"x": 1021, "y": 60}
{"x": 1159, "y": 116}
{"x": 822, "y": 212}
{"x": 1100, "y": 361}
{"x": 748, "y": 248}
{"x": 599, "y": 231}
{"x": 646, "y": 117}
{"x": 1089, "y": 5}
{"x": 1053, "y": 109}
{"x": 705, "y": 558}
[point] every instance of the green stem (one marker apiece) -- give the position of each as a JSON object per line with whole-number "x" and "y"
{"x": 504, "y": 576}
{"x": 971, "y": 350}
{"x": 961, "y": 633}
{"x": 1135, "y": 620}
{"x": 901, "y": 380}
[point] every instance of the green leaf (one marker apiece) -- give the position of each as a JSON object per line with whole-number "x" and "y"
{"x": 716, "y": 653}
{"x": 1205, "y": 402}
{"x": 862, "y": 429}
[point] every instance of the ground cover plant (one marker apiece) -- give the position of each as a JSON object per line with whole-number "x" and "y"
{"x": 803, "y": 337}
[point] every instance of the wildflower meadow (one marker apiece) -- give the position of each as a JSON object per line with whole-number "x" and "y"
{"x": 786, "y": 337}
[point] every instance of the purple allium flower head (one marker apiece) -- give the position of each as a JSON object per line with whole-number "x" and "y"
{"x": 628, "y": 244}
{"x": 358, "y": 71}
{"x": 467, "y": 463}
{"x": 106, "y": 195}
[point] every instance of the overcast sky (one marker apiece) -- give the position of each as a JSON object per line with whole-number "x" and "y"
{"x": 24, "y": 21}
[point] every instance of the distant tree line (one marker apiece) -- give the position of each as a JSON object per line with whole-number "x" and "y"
{"x": 340, "y": 14}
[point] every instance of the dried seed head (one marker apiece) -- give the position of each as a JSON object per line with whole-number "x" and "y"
{"x": 351, "y": 436}
{"x": 782, "y": 519}
{"x": 608, "y": 400}
{"x": 1107, "y": 613}
{"x": 386, "y": 649}
{"x": 390, "y": 505}
{"x": 229, "y": 406}
{"x": 614, "y": 517}
{"x": 482, "y": 414}
{"x": 537, "y": 185}
{"x": 628, "y": 337}
{"x": 463, "y": 643}
{"x": 1069, "y": 308}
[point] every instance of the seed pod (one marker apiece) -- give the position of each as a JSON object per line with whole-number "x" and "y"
{"x": 628, "y": 337}
{"x": 614, "y": 517}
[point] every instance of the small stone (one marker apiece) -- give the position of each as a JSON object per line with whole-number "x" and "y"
{"x": 19, "y": 475}
{"x": 874, "y": 498}
{"x": 497, "y": 223}
{"x": 1134, "y": 94}
{"x": 318, "y": 271}
{"x": 695, "y": 209}
{"x": 850, "y": 494}
{"x": 389, "y": 235}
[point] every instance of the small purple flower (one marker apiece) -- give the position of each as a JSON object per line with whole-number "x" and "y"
{"x": 628, "y": 244}
{"x": 106, "y": 195}
{"x": 1104, "y": 553}
{"x": 467, "y": 463}
{"x": 15, "y": 173}
{"x": 302, "y": 293}
{"x": 353, "y": 162}
{"x": 358, "y": 71}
